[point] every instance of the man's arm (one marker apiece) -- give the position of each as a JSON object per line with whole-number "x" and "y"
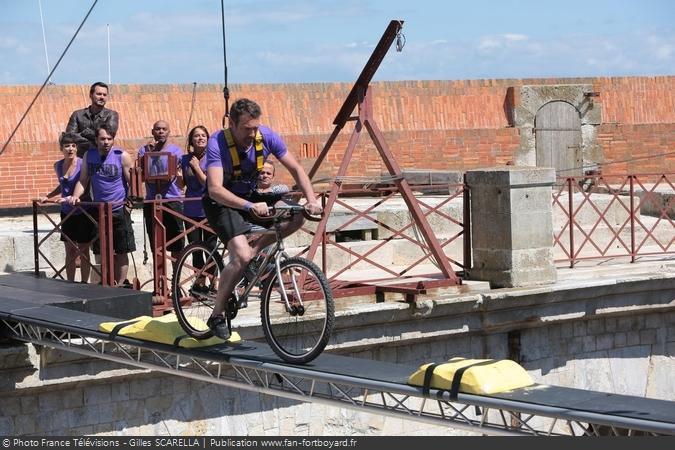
{"x": 127, "y": 165}
{"x": 222, "y": 195}
{"x": 72, "y": 123}
{"x": 74, "y": 127}
{"x": 114, "y": 121}
{"x": 302, "y": 180}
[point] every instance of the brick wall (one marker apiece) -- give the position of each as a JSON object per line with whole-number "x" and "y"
{"x": 428, "y": 124}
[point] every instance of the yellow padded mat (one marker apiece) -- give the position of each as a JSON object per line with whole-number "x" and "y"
{"x": 486, "y": 377}
{"x": 164, "y": 329}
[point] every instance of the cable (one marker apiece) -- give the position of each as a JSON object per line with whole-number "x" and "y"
{"x": 9, "y": 139}
{"x": 192, "y": 108}
{"x": 588, "y": 166}
{"x": 226, "y": 91}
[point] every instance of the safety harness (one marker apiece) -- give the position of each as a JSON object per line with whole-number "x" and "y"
{"x": 234, "y": 154}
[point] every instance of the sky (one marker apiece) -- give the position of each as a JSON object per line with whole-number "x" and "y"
{"x": 302, "y": 41}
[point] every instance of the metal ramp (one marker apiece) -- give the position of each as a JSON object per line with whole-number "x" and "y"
{"x": 379, "y": 387}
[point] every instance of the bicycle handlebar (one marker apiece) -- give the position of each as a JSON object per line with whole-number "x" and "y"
{"x": 281, "y": 210}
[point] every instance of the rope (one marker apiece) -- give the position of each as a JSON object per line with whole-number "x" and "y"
{"x": 192, "y": 108}
{"x": 595, "y": 165}
{"x": 226, "y": 91}
{"x": 49, "y": 77}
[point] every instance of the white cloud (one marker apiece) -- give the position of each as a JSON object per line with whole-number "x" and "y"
{"x": 489, "y": 43}
{"x": 515, "y": 37}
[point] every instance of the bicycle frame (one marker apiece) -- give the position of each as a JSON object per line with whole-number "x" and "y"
{"x": 277, "y": 252}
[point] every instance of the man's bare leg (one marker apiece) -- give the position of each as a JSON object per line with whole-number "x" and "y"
{"x": 240, "y": 255}
{"x": 121, "y": 267}
{"x": 85, "y": 265}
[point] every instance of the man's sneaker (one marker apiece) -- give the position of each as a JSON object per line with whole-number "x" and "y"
{"x": 218, "y": 325}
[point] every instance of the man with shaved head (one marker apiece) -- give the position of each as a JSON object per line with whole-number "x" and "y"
{"x": 170, "y": 188}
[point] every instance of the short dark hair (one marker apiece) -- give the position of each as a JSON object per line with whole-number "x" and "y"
{"x": 244, "y": 106}
{"x": 98, "y": 83}
{"x": 67, "y": 138}
{"x": 105, "y": 127}
{"x": 274, "y": 169}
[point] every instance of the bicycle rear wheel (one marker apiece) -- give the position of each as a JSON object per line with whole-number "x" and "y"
{"x": 298, "y": 331}
{"x": 194, "y": 288}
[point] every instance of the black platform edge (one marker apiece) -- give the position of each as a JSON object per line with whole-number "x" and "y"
{"x": 103, "y": 300}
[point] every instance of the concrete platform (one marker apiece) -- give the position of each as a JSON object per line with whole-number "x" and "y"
{"x": 114, "y": 302}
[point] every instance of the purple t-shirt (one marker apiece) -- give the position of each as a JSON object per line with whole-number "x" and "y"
{"x": 108, "y": 183}
{"x": 193, "y": 187}
{"x": 166, "y": 190}
{"x": 67, "y": 184}
{"x": 218, "y": 155}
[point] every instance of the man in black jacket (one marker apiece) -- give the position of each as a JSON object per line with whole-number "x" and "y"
{"x": 83, "y": 122}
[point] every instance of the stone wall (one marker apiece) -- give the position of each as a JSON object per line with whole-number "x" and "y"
{"x": 458, "y": 125}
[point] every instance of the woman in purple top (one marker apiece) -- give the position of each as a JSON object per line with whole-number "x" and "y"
{"x": 193, "y": 166}
{"x": 77, "y": 230}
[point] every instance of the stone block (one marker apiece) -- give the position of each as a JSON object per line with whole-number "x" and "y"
{"x": 6, "y": 426}
{"x": 595, "y": 326}
{"x": 512, "y": 226}
{"x": 633, "y": 338}
{"x": 25, "y": 424}
{"x": 604, "y": 342}
{"x": 589, "y": 344}
{"x": 73, "y": 398}
{"x": 517, "y": 268}
{"x": 648, "y": 337}
{"x": 29, "y": 404}
{"x": 95, "y": 395}
{"x": 119, "y": 392}
{"x": 50, "y": 401}
{"x": 11, "y": 406}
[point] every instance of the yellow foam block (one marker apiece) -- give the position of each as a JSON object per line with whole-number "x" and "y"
{"x": 164, "y": 329}
{"x": 499, "y": 376}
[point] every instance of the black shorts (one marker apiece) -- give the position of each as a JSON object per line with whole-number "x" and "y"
{"x": 230, "y": 222}
{"x": 172, "y": 223}
{"x": 79, "y": 228}
{"x": 122, "y": 233}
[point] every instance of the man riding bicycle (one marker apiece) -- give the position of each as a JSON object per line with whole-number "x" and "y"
{"x": 234, "y": 156}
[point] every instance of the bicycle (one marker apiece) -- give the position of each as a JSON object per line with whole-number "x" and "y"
{"x": 296, "y": 302}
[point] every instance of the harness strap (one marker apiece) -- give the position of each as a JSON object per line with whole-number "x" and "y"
{"x": 456, "y": 379}
{"x": 117, "y": 328}
{"x": 428, "y": 373}
{"x": 234, "y": 154}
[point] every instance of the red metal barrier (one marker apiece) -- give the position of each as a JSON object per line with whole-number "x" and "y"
{"x": 367, "y": 283}
{"x": 103, "y": 222}
{"x": 613, "y": 216}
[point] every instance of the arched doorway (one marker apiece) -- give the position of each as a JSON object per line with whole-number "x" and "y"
{"x": 557, "y": 127}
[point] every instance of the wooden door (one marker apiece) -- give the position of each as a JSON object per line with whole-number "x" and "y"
{"x": 557, "y": 128}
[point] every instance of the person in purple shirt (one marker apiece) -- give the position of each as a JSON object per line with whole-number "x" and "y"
{"x": 193, "y": 166}
{"x": 109, "y": 169}
{"x": 163, "y": 189}
{"x": 230, "y": 204}
{"x": 77, "y": 231}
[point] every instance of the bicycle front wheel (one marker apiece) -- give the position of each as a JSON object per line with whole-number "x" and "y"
{"x": 194, "y": 286}
{"x": 297, "y": 311}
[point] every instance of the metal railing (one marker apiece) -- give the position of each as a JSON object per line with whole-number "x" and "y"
{"x": 595, "y": 217}
{"x": 100, "y": 215}
{"x": 614, "y": 216}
